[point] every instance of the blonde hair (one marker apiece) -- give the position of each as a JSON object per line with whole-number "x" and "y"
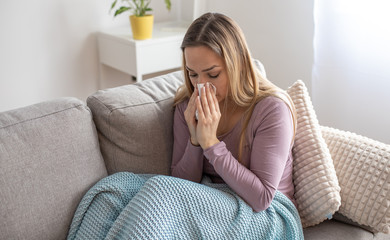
{"x": 247, "y": 86}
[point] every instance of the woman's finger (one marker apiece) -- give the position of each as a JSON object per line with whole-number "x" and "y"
{"x": 211, "y": 100}
{"x": 216, "y": 103}
{"x": 205, "y": 102}
{"x": 199, "y": 108}
{"x": 189, "y": 113}
{"x": 193, "y": 97}
{"x": 191, "y": 102}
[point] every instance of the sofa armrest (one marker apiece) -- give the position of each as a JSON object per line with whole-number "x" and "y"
{"x": 49, "y": 158}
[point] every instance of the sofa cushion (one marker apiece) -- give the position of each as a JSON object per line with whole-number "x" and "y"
{"x": 331, "y": 229}
{"x": 134, "y": 123}
{"x": 317, "y": 191}
{"x": 363, "y": 170}
{"x": 49, "y": 158}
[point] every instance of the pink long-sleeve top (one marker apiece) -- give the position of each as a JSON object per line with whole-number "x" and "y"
{"x": 266, "y": 162}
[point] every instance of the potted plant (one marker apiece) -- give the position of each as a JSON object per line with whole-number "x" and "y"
{"x": 141, "y": 22}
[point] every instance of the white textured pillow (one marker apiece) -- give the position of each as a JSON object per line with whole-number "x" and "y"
{"x": 363, "y": 170}
{"x": 317, "y": 191}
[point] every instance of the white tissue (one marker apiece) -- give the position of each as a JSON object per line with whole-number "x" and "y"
{"x": 200, "y": 86}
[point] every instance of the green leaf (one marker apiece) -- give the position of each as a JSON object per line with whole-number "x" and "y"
{"x": 138, "y": 7}
{"x": 121, "y": 10}
{"x": 168, "y": 4}
{"x": 113, "y": 4}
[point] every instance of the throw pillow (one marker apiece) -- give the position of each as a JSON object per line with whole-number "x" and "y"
{"x": 363, "y": 170}
{"x": 317, "y": 191}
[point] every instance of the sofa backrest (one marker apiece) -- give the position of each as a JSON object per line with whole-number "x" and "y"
{"x": 134, "y": 124}
{"x": 49, "y": 158}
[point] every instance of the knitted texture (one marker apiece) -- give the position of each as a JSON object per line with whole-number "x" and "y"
{"x": 363, "y": 170}
{"x": 317, "y": 191}
{"x": 129, "y": 206}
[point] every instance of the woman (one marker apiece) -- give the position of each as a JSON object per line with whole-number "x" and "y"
{"x": 242, "y": 136}
{"x": 245, "y": 128}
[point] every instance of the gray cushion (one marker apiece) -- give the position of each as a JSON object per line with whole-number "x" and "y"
{"x": 381, "y": 236}
{"x": 49, "y": 158}
{"x": 341, "y": 218}
{"x": 134, "y": 124}
{"x": 331, "y": 229}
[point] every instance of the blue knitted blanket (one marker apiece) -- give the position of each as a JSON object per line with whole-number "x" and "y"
{"x": 130, "y": 206}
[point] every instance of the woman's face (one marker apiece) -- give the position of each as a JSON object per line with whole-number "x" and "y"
{"x": 204, "y": 65}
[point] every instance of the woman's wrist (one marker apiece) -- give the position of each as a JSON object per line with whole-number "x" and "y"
{"x": 210, "y": 143}
{"x": 194, "y": 143}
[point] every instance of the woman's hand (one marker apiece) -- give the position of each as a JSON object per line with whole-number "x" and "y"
{"x": 189, "y": 115}
{"x": 208, "y": 117}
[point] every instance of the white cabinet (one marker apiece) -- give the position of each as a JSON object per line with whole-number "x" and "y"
{"x": 119, "y": 50}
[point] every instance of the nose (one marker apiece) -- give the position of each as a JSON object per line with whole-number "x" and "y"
{"x": 201, "y": 79}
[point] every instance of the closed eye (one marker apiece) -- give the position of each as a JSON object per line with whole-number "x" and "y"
{"x": 214, "y": 76}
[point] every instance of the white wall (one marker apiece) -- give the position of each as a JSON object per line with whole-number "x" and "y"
{"x": 48, "y": 48}
{"x": 351, "y": 75}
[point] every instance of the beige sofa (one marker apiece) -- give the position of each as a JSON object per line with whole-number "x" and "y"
{"x": 51, "y": 153}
